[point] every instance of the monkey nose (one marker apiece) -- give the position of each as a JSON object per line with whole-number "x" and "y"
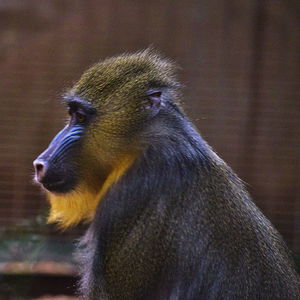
{"x": 40, "y": 168}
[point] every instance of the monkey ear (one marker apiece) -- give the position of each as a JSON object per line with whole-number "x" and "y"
{"x": 154, "y": 97}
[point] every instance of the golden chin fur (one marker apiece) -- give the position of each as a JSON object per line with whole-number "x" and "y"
{"x": 80, "y": 205}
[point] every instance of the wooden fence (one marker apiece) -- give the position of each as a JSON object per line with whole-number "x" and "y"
{"x": 240, "y": 68}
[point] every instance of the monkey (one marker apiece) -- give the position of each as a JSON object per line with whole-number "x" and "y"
{"x": 168, "y": 218}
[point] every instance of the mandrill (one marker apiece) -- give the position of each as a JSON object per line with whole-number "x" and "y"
{"x": 169, "y": 220}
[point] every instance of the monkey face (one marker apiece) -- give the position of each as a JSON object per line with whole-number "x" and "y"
{"x": 80, "y": 164}
{"x": 110, "y": 108}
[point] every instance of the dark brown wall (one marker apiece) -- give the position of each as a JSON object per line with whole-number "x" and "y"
{"x": 240, "y": 66}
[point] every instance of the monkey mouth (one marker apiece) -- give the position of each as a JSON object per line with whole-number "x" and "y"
{"x": 60, "y": 186}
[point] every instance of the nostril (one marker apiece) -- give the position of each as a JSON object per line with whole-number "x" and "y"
{"x": 40, "y": 169}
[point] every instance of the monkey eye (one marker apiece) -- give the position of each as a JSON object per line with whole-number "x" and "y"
{"x": 80, "y": 117}
{"x": 154, "y": 97}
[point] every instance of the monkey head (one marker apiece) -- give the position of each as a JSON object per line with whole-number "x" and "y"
{"x": 112, "y": 108}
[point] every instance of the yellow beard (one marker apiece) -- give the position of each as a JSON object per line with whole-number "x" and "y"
{"x": 80, "y": 205}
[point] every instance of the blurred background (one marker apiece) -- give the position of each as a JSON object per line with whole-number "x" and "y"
{"x": 240, "y": 66}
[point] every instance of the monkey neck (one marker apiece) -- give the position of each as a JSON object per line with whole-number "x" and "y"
{"x": 170, "y": 166}
{"x": 161, "y": 186}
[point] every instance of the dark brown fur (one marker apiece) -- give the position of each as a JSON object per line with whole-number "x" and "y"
{"x": 177, "y": 223}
